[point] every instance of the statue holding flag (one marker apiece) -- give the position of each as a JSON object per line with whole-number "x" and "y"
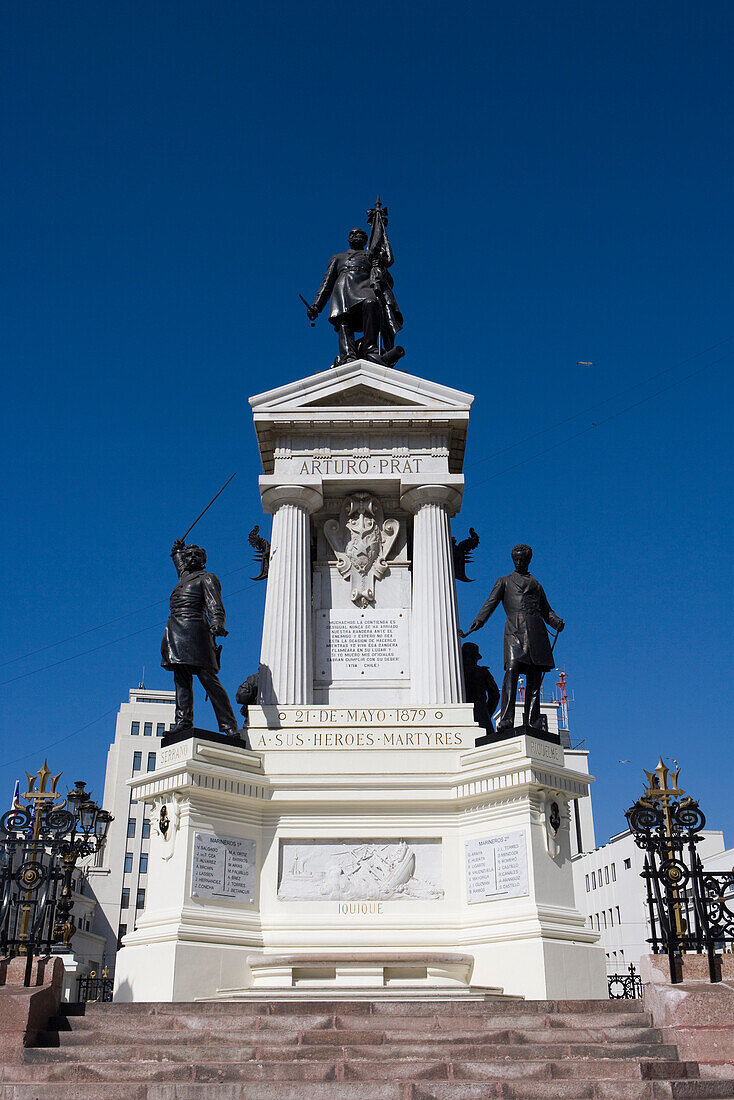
{"x": 360, "y": 286}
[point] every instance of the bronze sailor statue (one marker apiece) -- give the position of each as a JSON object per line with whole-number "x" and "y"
{"x": 528, "y": 649}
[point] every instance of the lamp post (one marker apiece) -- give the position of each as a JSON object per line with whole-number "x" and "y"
{"x": 40, "y": 844}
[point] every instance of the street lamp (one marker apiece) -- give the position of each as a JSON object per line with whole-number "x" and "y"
{"x": 40, "y": 844}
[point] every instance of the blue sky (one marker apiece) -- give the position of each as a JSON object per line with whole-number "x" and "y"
{"x": 559, "y": 178}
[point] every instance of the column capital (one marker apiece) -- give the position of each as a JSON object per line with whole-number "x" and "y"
{"x": 413, "y": 497}
{"x": 307, "y": 494}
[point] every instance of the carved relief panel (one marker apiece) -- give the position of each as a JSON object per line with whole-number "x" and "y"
{"x": 362, "y": 540}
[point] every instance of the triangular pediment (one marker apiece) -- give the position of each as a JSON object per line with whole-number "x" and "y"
{"x": 361, "y": 385}
{"x": 359, "y": 396}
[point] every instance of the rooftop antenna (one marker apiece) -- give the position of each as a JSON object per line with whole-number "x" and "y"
{"x": 563, "y": 700}
{"x": 142, "y": 679}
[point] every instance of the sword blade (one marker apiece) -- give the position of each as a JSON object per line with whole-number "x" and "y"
{"x": 193, "y": 525}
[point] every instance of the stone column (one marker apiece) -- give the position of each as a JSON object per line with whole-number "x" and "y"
{"x": 286, "y": 659}
{"x": 435, "y": 654}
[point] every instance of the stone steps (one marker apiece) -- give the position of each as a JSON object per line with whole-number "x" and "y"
{"x": 317, "y": 1050}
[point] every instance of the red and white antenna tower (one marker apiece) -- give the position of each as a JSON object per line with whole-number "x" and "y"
{"x": 563, "y": 700}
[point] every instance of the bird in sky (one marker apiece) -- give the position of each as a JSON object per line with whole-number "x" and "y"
{"x": 623, "y": 761}
{"x": 581, "y": 363}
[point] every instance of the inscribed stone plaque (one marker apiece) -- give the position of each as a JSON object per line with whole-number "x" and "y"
{"x": 496, "y": 867}
{"x": 223, "y": 867}
{"x": 353, "y": 644}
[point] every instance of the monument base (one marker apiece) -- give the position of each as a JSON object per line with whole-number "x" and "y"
{"x": 174, "y": 738}
{"x": 360, "y": 849}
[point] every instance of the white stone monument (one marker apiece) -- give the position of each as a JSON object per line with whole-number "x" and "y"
{"x": 364, "y": 845}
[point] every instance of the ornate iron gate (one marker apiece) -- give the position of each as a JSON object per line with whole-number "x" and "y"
{"x": 690, "y": 909}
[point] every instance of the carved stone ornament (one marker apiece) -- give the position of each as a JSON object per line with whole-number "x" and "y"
{"x": 361, "y": 540}
{"x": 165, "y": 821}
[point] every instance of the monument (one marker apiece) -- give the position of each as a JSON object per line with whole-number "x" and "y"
{"x": 364, "y": 845}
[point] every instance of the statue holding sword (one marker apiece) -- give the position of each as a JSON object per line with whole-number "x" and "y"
{"x": 188, "y": 647}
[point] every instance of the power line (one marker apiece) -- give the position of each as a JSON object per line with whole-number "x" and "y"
{"x": 52, "y": 744}
{"x": 598, "y": 404}
{"x": 485, "y": 458}
{"x": 101, "y": 626}
{"x": 598, "y": 423}
{"x": 105, "y": 645}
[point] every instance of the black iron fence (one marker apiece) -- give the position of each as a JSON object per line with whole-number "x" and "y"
{"x": 625, "y": 987}
{"x": 93, "y": 987}
{"x": 690, "y": 909}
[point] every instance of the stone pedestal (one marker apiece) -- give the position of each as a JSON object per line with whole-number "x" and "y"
{"x": 382, "y": 832}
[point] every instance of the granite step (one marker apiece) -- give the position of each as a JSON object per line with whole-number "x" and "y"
{"x": 357, "y": 1090}
{"x": 409, "y": 1069}
{"x": 124, "y": 1053}
{"x": 327, "y": 1033}
{"x": 612, "y": 1024}
{"x": 366, "y": 1008}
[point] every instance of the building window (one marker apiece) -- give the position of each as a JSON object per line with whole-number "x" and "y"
{"x": 593, "y": 880}
{"x": 151, "y": 761}
{"x": 160, "y": 729}
{"x": 604, "y": 918}
{"x": 135, "y": 729}
{"x": 627, "y": 864}
{"x": 597, "y": 923}
{"x": 614, "y": 873}
{"x": 128, "y": 862}
{"x": 125, "y": 901}
{"x": 148, "y": 729}
{"x": 137, "y": 761}
{"x": 143, "y": 862}
{"x": 140, "y": 900}
{"x": 611, "y": 919}
{"x": 131, "y": 827}
{"x": 619, "y": 919}
{"x": 606, "y": 875}
{"x": 146, "y": 829}
{"x": 122, "y": 931}
{"x": 587, "y": 884}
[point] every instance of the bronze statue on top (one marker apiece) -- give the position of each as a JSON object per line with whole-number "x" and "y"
{"x": 528, "y": 649}
{"x": 362, "y": 300}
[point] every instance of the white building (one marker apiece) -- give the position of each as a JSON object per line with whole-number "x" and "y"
{"x": 611, "y": 893}
{"x": 119, "y": 879}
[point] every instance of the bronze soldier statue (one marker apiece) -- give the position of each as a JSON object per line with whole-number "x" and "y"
{"x": 362, "y": 300}
{"x": 188, "y": 647}
{"x": 527, "y": 646}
